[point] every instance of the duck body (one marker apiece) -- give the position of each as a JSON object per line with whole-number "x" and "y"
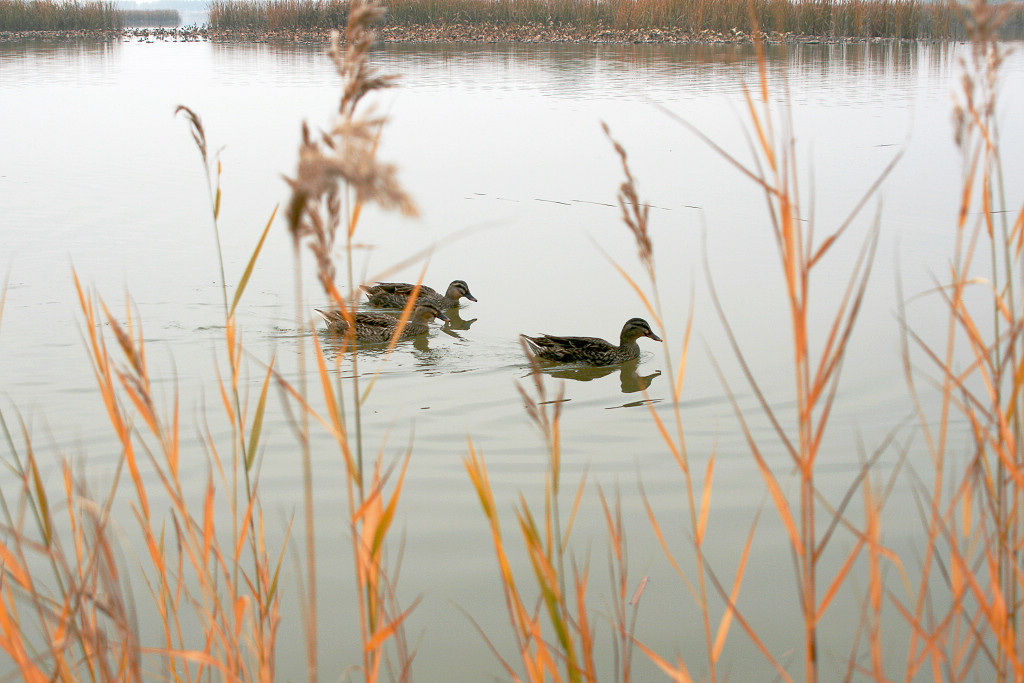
{"x": 396, "y": 294}
{"x": 371, "y": 326}
{"x": 592, "y": 350}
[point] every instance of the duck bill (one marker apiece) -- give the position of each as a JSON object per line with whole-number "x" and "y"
{"x": 654, "y": 336}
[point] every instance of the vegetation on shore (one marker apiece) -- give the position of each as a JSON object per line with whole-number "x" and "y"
{"x": 903, "y": 19}
{"x": 949, "y": 610}
{"x": 62, "y": 15}
{"x": 69, "y": 15}
{"x": 538, "y": 20}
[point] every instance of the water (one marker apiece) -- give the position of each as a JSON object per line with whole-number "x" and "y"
{"x": 502, "y": 149}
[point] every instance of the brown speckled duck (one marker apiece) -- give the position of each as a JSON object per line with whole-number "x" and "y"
{"x": 395, "y": 294}
{"x": 591, "y": 349}
{"x": 371, "y": 326}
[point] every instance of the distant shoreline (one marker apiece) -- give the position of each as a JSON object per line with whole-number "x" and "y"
{"x": 448, "y": 33}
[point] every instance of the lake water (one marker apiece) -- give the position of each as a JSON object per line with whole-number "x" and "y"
{"x": 501, "y": 146}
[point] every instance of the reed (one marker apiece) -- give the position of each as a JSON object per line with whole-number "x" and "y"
{"x": 66, "y": 598}
{"x": 826, "y": 18}
{"x": 66, "y": 15}
{"x": 338, "y": 174}
{"x": 272, "y": 15}
{"x": 66, "y": 601}
{"x": 970, "y": 580}
{"x": 959, "y": 603}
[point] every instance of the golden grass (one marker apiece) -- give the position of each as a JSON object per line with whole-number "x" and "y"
{"x": 975, "y": 518}
{"x": 278, "y": 14}
{"x": 66, "y": 608}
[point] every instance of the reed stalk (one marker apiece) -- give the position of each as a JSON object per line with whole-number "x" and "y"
{"x": 338, "y": 174}
{"x": 76, "y": 619}
{"x": 809, "y": 522}
{"x": 553, "y": 632}
{"x": 809, "y": 528}
{"x": 973, "y": 518}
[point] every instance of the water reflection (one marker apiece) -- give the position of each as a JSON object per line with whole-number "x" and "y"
{"x": 456, "y": 322}
{"x": 426, "y": 357}
{"x": 36, "y": 62}
{"x": 630, "y": 381}
{"x": 656, "y": 71}
{"x": 661, "y": 71}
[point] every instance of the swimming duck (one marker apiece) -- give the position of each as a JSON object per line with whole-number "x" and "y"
{"x": 591, "y": 349}
{"x": 371, "y": 326}
{"x": 395, "y": 294}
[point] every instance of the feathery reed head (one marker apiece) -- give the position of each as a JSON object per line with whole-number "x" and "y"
{"x": 345, "y": 154}
{"x": 198, "y": 134}
{"x": 634, "y": 213}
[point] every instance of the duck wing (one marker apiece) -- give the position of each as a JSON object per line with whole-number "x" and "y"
{"x": 569, "y": 348}
{"x": 579, "y": 343}
{"x": 399, "y": 288}
{"x": 371, "y": 319}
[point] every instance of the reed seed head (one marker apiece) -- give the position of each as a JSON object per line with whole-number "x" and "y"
{"x": 345, "y": 155}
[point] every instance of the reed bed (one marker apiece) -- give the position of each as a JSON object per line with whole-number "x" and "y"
{"x": 823, "y": 18}
{"x": 50, "y": 15}
{"x": 273, "y": 15}
{"x": 66, "y": 591}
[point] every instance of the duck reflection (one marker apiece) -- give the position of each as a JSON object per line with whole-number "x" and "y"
{"x": 456, "y": 322}
{"x": 630, "y": 380}
{"x": 334, "y": 343}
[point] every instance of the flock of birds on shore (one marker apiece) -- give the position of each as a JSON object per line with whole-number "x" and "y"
{"x": 379, "y": 327}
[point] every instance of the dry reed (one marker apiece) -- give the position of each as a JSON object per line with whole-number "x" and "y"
{"x": 338, "y": 174}
{"x": 66, "y": 15}
{"x": 555, "y": 635}
{"x": 905, "y": 19}
{"x": 965, "y": 612}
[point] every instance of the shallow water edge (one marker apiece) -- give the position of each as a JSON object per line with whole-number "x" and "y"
{"x": 457, "y": 33}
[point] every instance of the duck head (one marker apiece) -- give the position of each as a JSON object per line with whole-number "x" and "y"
{"x": 458, "y": 289}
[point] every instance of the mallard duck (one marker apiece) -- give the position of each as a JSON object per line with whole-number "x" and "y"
{"x": 371, "y": 326}
{"x": 395, "y": 294}
{"x": 591, "y": 349}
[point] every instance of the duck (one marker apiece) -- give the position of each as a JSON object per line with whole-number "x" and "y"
{"x": 395, "y": 294}
{"x": 371, "y": 326}
{"x": 591, "y": 350}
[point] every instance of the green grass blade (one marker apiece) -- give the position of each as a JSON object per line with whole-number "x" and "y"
{"x": 252, "y": 262}
{"x": 257, "y": 421}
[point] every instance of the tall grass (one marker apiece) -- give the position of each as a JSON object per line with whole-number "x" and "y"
{"x": 975, "y": 513}
{"x": 66, "y": 597}
{"x": 66, "y": 15}
{"x": 337, "y": 175}
{"x": 959, "y": 598}
{"x": 272, "y": 15}
{"x": 830, "y": 18}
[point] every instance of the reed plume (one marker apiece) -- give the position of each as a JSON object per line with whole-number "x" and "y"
{"x": 346, "y": 154}
{"x": 338, "y": 173}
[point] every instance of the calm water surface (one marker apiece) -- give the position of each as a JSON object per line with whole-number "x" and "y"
{"x": 502, "y": 147}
